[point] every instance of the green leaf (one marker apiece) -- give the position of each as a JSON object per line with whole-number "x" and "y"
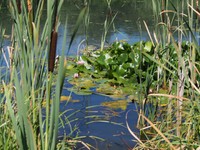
{"x": 148, "y": 46}
{"x": 157, "y": 62}
{"x": 132, "y": 56}
{"x": 123, "y": 58}
{"x": 101, "y": 60}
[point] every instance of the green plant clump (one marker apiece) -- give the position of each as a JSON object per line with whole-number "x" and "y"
{"x": 123, "y": 62}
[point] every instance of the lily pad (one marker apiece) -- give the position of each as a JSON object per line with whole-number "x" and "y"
{"x": 79, "y": 91}
{"x": 119, "y": 104}
{"x": 69, "y": 98}
{"x": 107, "y": 89}
{"x": 83, "y": 83}
{"x": 65, "y": 98}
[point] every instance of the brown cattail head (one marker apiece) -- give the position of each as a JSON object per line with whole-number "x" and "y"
{"x": 52, "y": 52}
{"x": 163, "y": 9}
{"x": 163, "y": 16}
{"x": 19, "y": 6}
{"x": 29, "y": 5}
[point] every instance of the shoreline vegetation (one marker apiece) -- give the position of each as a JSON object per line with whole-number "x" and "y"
{"x": 161, "y": 75}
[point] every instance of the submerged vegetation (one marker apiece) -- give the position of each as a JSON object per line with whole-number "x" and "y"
{"x": 161, "y": 75}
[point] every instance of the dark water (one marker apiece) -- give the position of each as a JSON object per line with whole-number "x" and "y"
{"x": 128, "y": 24}
{"x": 108, "y": 124}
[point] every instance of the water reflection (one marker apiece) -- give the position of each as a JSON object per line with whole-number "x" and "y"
{"x": 128, "y": 24}
{"x": 130, "y": 16}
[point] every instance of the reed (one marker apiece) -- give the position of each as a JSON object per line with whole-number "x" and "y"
{"x": 109, "y": 21}
{"x": 30, "y": 78}
{"x": 176, "y": 124}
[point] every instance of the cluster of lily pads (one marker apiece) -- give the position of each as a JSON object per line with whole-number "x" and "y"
{"x": 123, "y": 66}
{"x": 122, "y": 62}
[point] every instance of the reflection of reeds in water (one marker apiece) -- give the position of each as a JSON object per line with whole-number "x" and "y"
{"x": 109, "y": 21}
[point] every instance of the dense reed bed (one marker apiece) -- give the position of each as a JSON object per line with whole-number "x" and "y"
{"x": 175, "y": 125}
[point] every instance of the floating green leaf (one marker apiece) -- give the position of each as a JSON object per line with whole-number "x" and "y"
{"x": 118, "y": 104}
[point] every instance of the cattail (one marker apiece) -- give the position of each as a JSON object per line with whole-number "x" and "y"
{"x": 29, "y": 5}
{"x": 163, "y": 9}
{"x": 197, "y": 9}
{"x": 163, "y": 16}
{"x": 19, "y": 6}
{"x": 52, "y": 52}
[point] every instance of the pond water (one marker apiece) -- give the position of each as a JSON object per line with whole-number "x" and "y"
{"x": 95, "y": 121}
{"x": 128, "y": 26}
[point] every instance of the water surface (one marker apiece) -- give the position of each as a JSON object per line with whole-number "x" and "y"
{"x": 128, "y": 24}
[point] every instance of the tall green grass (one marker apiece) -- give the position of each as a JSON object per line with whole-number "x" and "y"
{"x": 176, "y": 125}
{"x": 29, "y": 105}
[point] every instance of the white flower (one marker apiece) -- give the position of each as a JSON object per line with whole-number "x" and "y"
{"x": 76, "y": 75}
{"x": 80, "y": 62}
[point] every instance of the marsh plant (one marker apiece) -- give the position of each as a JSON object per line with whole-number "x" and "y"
{"x": 176, "y": 49}
{"x": 31, "y": 86}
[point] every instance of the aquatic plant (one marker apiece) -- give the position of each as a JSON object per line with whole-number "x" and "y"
{"x": 121, "y": 61}
{"x": 30, "y": 82}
